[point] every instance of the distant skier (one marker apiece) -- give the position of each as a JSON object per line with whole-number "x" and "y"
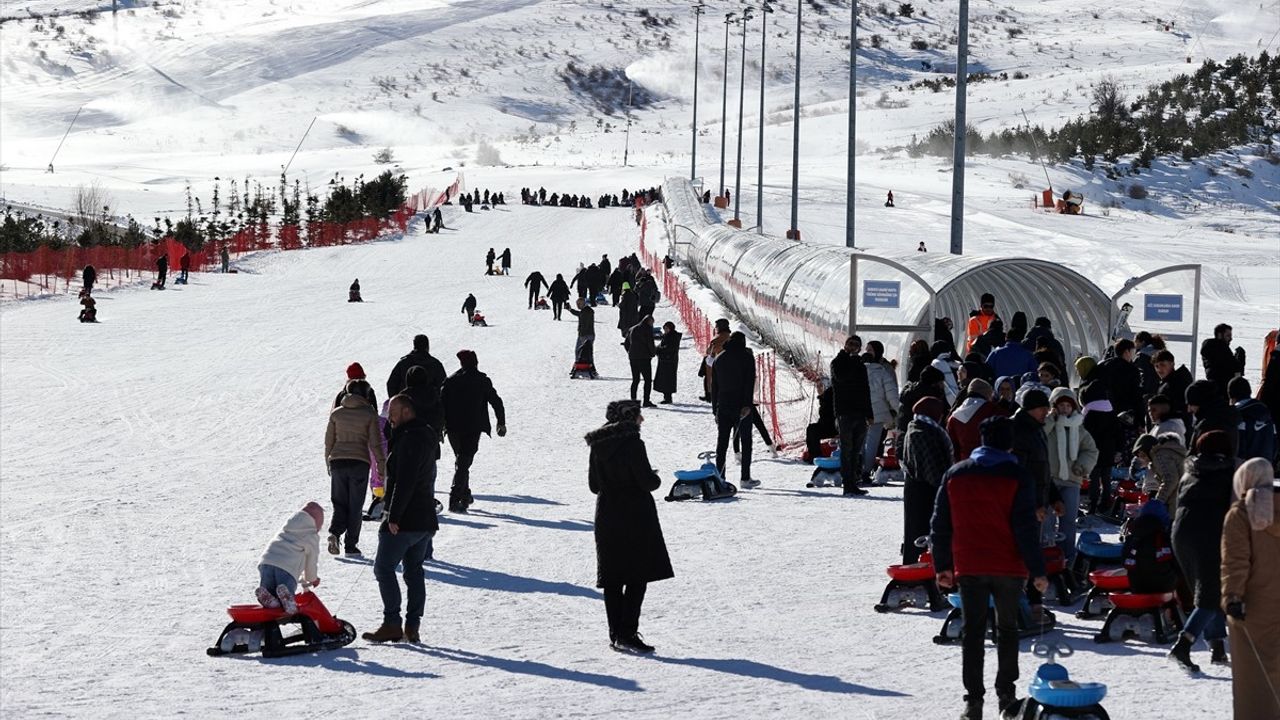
{"x": 921, "y": 247}
{"x": 535, "y": 282}
{"x": 225, "y": 256}
{"x": 353, "y": 294}
{"x": 162, "y": 271}
{"x": 583, "y": 350}
{"x": 294, "y": 552}
{"x": 88, "y": 308}
{"x": 466, "y": 397}
{"x": 184, "y": 265}
{"x": 506, "y": 261}
{"x": 889, "y": 201}
{"x": 469, "y": 306}
{"x": 558, "y": 292}
{"x": 90, "y": 276}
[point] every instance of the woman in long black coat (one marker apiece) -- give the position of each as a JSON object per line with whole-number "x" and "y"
{"x": 1204, "y": 497}
{"x": 630, "y": 550}
{"x": 668, "y": 360}
{"x": 628, "y": 309}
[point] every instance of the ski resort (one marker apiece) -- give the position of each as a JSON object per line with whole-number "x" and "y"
{"x": 741, "y": 359}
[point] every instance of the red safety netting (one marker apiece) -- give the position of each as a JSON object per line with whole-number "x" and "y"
{"x": 45, "y": 269}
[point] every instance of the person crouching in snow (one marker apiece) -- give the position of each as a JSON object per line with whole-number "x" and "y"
{"x": 293, "y": 553}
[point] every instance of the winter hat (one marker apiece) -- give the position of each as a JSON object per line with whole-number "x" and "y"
{"x": 981, "y": 388}
{"x": 622, "y": 411}
{"x": 626, "y": 286}
{"x": 1214, "y": 442}
{"x": 1202, "y": 393}
{"x": 997, "y": 432}
{"x": 931, "y": 376}
{"x": 1064, "y": 393}
{"x": 1033, "y": 399}
{"x": 1252, "y": 483}
{"x": 1093, "y": 392}
{"x": 1043, "y": 322}
{"x": 1238, "y": 389}
{"x": 355, "y": 372}
{"x": 468, "y": 358}
{"x": 930, "y": 407}
{"x": 1019, "y": 321}
{"x": 1085, "y": 366}
{"x": 316, "y": 512}
{"x": 1144, "y": 444}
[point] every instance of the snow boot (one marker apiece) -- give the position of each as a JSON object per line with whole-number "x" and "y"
{"x": 853, "y": 490}
{"x": 333, "y": 544}
{"x": 1004, "y": 701}
{"x": 749, "y": 484}
{"x": 411, "y": 634}
{"x": 266, "y": 599}
{"x": 972, "y": 710}
{"x": 633, "y": 644}
{"x": 385, "y": 633}
{"x": 353, "y": 552}
{"x": 1181, "y": 653}
{"x": 286, "y": 599}
{"x": 1219, "y": 650}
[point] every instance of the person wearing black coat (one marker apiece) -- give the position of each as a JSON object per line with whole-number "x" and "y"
{"x": 1204, "y": 497}
{"x": 1172, "y": 383}
{"x": 1124, "y": 382}
{"x": 535, "y": 282}
{"x": 605, "y": 266}
{"x": 596, "y": 281}
{"x": 90, "y": 276}
{"x": 558, "y": 293}
{"x": 1211, "y": 412}
{"x": 927, "y": 454}
{"x": 424, "y": 391}
{"x": 422, "y": 356}
{"x": 854, "y": 415}
{"x": 488, "y": 261}
{"x": 930, "y": 384}
{"x": 664, "y": 380}
{"x": 162, "y": 269}
{"x": 1044, "y": 329}
{"x": 406, "y": 533}
{"x": 466, "y": 397}
{"x": 469, "y": 306}
{"x": 616, "y": 280}
{"x": 647, "y": 294}
{"x": 825, "y": 426}
{"x": 1220, "y": 364}
{"x": 943, "y": 341}
{"x": 1257, "y": 430}
{"x": 732, "y": 390}
{"x": 640, "y": 353}
{"x": 628, "y": 310}
{"x": 582, "y": 279}
{"x": 1103, "y": 426}
{"x": 1031, "y": 446}
{"x": 1148, "y": 556}
{"x": 630, "y": 549}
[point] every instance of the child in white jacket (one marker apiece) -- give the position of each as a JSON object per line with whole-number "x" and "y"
{"x": 293, "y": 553}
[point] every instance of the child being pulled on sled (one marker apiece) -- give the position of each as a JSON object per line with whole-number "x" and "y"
{"x": 294, "y": 552}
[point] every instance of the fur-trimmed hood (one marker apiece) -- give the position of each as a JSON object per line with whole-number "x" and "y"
{"x": 612, "y": 433}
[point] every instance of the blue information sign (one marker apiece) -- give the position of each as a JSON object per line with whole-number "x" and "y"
{"x": 881, "y": 293}
{"x": 1162, "y": 308}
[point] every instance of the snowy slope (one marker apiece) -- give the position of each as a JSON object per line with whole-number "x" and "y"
{"x": 142, "y": 477}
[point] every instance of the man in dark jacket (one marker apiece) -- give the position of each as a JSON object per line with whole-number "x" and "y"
{"x": 423, "y": 389}
{"x": 1210, "y": 412}
{"x": 1124, "y": 382}
{"x": 90, "y": 276}
{"x": 1012, "y": 358}
{"x": 825, "y": 426}
{"x": 986, "y": 539}
{"x": 1030, "y": 446}
{"x": 1220, "y": 364}
{"x": 405, "y": 535}
{"x": 469, "y": 307}
{"x": 558, "y": 292}
{"x": 926, "y": 456}
{"x": 466, "y": 396}
{"x": 605, "y": 266}
{"x": 616, "y": 280}
{"x": 640, "y": 352}
{"x": 421, "y": 356}
{"x": 732, "y": 390}
{"x": 1102, "y": 425}
{"x": 535, "y": 282}
{"x": 1257, "y": 429}
{"x": 647, "y": 294}
{"x": 162, "y": 270}
{"x": 1044, "y": 329}
{"x": 628, "y": 309}
{"x": 1172, "y": 383}
{"x": 852, "y": 399}
{"x": 583, "y": 350}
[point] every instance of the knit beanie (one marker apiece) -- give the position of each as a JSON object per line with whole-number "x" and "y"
{"x": 981, "y": 388}
{"x": 930, "y": 376}
{"x": 622, "y": 411}
{"x": 1033, "y": 399}
{"x": 1214, "y": 442}
{"x": 1085, "y": 366}
{"x": 316, "y": 512}
{"x": 997, "y": 432}
{"x": 468, "y": 358}
{"x": 1144, "y": 444}
{"x": 355, "y": 372}
{"x": 1202, "y": 393}
{"x": 930, "y": 407}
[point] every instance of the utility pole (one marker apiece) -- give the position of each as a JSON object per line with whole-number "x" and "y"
{"x": 853, "y": 125}
{"x": 626, "y": 145}
{"x": 742, "y": 89}
{"x": 724, "y": 97}
{"x": 957, "y": 170}
{"x": 794, "y": 232}
{"x": 698, "y": 10}
{"x": 765, "y": 8}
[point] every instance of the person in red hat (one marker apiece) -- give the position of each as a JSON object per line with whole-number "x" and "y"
{"x": 355, "y": 372}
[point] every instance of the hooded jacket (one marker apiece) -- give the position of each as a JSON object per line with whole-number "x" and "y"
{"x": 963, "y": 427}
{"x": 1072, "y": 451}
{"x": 1011, "y": 359}
{"x": 1257, "y": 431}
{"x": 1203, "y": 500}
{"x": 883, "y": 386}
{"x": 353, "y": 433}
{"x": 296, "y": 549}
{"x": 1213, "y": 413}
{"x": 629, "y": 543}
{"x": 466, "y": 396}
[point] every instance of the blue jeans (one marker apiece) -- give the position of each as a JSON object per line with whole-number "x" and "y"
{"x": 1211, "y": 622}
{"x": 270, "y": 576}
{"x": 1066, "y": 525}
{"x": 411, "y": 549}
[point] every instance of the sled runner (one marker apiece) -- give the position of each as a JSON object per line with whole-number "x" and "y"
{"x": 254, "y": 628}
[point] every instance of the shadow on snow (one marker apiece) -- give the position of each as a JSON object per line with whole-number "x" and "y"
{"x": 531, "y": 667}
{"x": 464, "y": 576}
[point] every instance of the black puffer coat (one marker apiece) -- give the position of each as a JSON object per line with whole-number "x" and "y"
{"x": 629, "y": 543}
{"x": 466, "y": 397}
{"x": 664, "y": 380}
{"x": 1203, "y": 500}
{"x": 411, "y": 477}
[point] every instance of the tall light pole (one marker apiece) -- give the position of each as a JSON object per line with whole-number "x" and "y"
{"x": 724, "y": 97}
{"x": 698, "y": 10}
{"x": 794, "y": 232}
{"x": 742, "y": 89}
{"x": 853, "y": 124}
{"x": 765, "y": 8}
{"x": 627, "y": 145}
{"x": 957, "y": 159}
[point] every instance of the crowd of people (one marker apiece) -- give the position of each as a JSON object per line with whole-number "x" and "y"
{"x": 1002, "y": 457}
{"x": 628, "y": 198}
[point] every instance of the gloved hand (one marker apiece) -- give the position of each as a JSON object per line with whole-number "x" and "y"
{"x": 502, "y": 431}
{"x": 1235, "y": 608}
{"x": 1240, "y": 358}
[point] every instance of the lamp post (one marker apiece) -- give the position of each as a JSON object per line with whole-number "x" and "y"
{"x": 853, "y": 124}
{"x": 698, "y": 10}
{"x": 627, "y": 144}
{"x": 724, "y": 97}
{"x": 765, "y": 9}
{"x": 742, "y": 88}
{"x": 794, "y": 232}
{"x": 957, "y": 159}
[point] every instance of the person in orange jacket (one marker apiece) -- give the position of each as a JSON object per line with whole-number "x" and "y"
{"x": 980, "y": 321}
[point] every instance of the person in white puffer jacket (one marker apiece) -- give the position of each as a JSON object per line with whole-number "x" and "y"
{"x": 1072, "y": 455}
{"x": 884, "y": 402}
{"x": 293, "y": 553}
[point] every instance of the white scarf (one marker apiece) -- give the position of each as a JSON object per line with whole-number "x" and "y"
{"x": 1067, "y": 436}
